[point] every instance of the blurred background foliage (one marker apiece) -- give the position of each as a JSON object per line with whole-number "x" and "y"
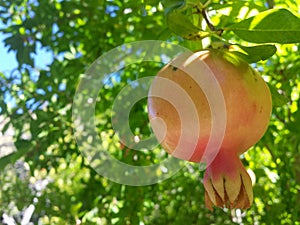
{"x": 47, "y": 170}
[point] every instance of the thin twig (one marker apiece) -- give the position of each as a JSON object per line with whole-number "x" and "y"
{"x": 207, "y": 20}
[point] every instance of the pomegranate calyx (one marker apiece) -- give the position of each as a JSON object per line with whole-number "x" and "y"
{"x": 227, "y": 184}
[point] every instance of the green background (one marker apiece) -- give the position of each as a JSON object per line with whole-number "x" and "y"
{"x": 76, "y": 33}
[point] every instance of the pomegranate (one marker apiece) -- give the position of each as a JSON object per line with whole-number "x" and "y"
{"x": 211, "y": 106}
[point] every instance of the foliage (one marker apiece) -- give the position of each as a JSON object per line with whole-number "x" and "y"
{"x": 76, "y": 33}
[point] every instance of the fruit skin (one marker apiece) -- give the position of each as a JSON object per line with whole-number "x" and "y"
{"x": 247, "y": 102}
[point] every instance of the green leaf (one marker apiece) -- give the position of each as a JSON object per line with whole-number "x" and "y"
{"x": 271, "y": 26}
{"x": 179, "y": 5}
{"x": 255, "y": 53}
{"x": 170, "y": 5}
{"x": 22, "y": 148}
{"x": 278, "y": 100}
{"x": 180, "y": 24}
{"x": 164, "y": 34}
{"x": 5, "y": 127}
{"x": 192, "y": 45}
{"x": 14, "y": 42}
{"x": 179, "y": 18}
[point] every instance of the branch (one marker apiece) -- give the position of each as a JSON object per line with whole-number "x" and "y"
{"x": 209, "y": 23}
{"x": 207, "y": 20}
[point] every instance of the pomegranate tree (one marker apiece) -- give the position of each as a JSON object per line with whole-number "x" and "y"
{"x": 185, "y": 111}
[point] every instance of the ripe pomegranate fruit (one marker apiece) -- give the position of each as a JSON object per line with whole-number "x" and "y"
{"x": 211, "y": 106}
